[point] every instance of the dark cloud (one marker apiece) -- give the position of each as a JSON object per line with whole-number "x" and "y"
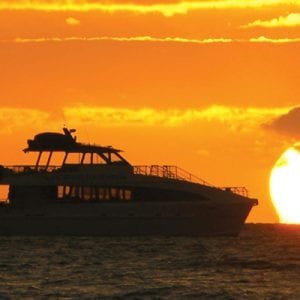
{"x": 288, "y": 124}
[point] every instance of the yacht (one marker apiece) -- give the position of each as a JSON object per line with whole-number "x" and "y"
{"x": 102, "y": 194}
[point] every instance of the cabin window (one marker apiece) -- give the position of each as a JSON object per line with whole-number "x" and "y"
{"x": 67, "y": 191}
{"x": 94, "y": 195}
{"x": 104, "y": 193}
{"x": 79, "y": 192}
{"x": 124, "y": 194}
{"x": 4, "y": 190}
{"x": 60, "y": 191}
{"x": 72, "y": 191}
{"x": 87, "y": 193}
{"x": 114, "y": 193}
{"x": 127, "y": 194}
{"x": 101, "y": 193}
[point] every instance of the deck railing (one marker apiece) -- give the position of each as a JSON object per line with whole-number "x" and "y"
{"x": 240, "y": 190}
{"x": 171, "y": 172}
{"x": 174, "y": 172}
{"x": 24, "y": 169}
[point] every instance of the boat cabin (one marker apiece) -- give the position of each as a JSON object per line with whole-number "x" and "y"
{"x": 70, "y": 181}
{"x": 50, "y": 143}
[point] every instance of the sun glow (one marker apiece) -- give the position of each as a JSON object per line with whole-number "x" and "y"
{"x": 285, "y": 186}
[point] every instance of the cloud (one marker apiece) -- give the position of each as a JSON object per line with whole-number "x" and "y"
{"x": 290, "y": 20}
{"x": 234, "y": 117}
{"x": 166, "y": 9}
{"x": 125, "y": 39}
{"x": 12, "y": 119}
{"x": 287, "y": 123}
{"x": 72, "y": 21}
{"x": 261, "y": 39}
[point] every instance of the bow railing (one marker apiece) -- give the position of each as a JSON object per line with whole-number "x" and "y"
{"x": 171, "y": 172}
{"x": 174, "y": 172}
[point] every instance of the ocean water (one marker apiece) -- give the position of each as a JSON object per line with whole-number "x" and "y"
{"x": 262, "y": 263}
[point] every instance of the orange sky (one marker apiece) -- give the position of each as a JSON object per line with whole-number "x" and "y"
{"x": 211, "y": 86}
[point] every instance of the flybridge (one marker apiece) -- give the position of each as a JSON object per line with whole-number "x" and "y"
{"x": 56, "y": 142}
{"x": 52, "y": 141}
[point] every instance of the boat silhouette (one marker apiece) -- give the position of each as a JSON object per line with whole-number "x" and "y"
{"x": 105, "y": 195}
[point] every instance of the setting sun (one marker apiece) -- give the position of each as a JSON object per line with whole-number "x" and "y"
{"x": 285, "y": 186}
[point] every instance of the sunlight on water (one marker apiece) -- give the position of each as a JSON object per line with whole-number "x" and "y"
{"x": 262, "y": 263}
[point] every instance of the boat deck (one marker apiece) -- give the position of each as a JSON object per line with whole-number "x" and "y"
{"x": 162, "y": 171}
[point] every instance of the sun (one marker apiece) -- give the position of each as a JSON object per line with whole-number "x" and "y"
{"x": 285, "y": 185}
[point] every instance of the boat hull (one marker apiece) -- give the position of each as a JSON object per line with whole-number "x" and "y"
{"x": 177, "y": 219}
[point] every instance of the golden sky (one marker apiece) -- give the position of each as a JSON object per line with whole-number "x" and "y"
{"x": 211, "y": 86}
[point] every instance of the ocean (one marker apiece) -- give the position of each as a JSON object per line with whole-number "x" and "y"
{"x": 263, "y": 262}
